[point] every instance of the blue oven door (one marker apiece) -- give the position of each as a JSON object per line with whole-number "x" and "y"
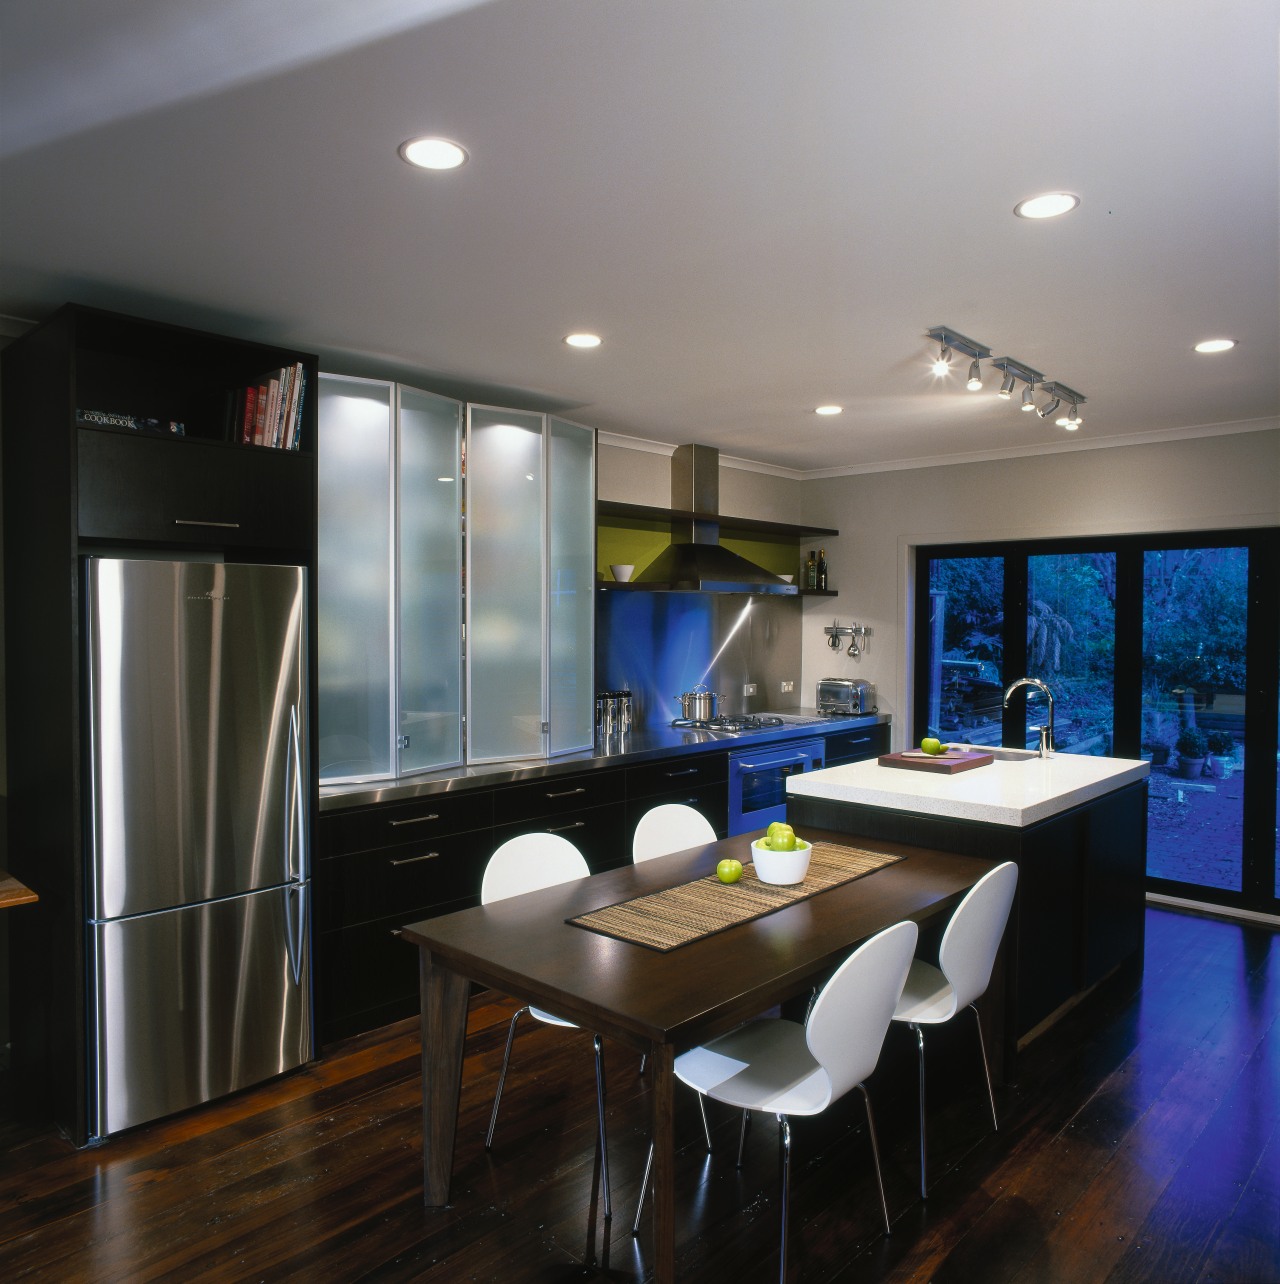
{"x": 758, "y": 781}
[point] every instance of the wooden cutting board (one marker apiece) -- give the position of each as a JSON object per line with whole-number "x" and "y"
{"x": 946, "y": 763}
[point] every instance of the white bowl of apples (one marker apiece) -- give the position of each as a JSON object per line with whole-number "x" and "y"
{"x": 780, "y": 857}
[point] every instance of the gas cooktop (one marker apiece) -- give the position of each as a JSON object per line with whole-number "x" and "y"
{"x": 731, "y": 722}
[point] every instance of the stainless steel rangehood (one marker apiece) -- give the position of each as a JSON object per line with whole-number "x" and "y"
{"x": 695, "y": 560}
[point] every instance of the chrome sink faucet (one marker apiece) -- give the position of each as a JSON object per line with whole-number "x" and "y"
{"x": 1046, "y": 731}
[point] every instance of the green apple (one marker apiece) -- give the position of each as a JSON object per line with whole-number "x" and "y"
{"x": 729, "y": 870}
{"x": 774, "y": 827}
{"x": 783, "y": 839}
{"x": 931, "y": 745}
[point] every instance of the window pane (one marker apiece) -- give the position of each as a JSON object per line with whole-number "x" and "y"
{"x": 966, "y": 623}
{"x": 1071, "y": 647}
{"x": 1195, "y": 608}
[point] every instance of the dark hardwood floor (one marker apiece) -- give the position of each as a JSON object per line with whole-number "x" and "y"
{"x": 1139, "y": 1142}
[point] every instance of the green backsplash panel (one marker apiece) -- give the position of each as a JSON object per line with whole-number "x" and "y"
{"x": 779, "y": 556}
{"x": 621, "y": 540}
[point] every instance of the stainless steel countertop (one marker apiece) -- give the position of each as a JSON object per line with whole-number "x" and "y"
{"x": 622, "y": 750}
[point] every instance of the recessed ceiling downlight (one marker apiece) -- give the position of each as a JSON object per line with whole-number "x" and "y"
{"x": 432, "y": 153}
{"x": 827, "y": 410}
{"x": 1215, "y": 345}
{"x": 1047, "y": 205}
{"x": 583, "y": 340}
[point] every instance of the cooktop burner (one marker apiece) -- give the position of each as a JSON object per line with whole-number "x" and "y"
{"x": 730, "y": 722}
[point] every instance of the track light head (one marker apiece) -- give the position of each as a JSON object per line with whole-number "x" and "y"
{"x": 943, "y": 364}
{"x": 1027, "y": 402}
{"x": 975, "y": 376}
{"x": 1006, "y": 386}
{"x": 1048, "y": 408}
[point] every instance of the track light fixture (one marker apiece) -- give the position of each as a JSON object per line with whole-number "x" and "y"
{"x": 1059, "y": 392}
{"x": 1011, "y": 372}
{"x": 949, "y": 341}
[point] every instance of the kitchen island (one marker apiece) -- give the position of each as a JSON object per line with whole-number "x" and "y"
{"x": 1075, "y": 825}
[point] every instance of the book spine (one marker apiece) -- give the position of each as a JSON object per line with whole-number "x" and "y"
{"x": 249, "y": 406}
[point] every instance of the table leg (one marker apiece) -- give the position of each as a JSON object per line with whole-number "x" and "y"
{"x": 443, "y": 996}
{"x": 661, "y": 1061}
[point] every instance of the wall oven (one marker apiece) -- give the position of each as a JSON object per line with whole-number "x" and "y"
{"x": 758, "y": 781}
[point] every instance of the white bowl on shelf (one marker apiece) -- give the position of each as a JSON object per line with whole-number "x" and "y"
{"x": 790, "y": 579}
{"x": 622, "y": 572}
{"x": 781, "y": 868}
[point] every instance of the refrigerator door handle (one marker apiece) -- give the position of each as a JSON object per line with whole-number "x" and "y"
{"x": 295, "y": 916}
{"x": 295, "y": 810}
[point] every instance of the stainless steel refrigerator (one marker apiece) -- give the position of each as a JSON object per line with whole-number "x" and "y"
{"x": 199, "y": 843}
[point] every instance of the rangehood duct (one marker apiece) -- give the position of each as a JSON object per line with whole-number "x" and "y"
{"x": 695, "y": 561}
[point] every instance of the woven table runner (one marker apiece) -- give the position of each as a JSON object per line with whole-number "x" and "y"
{"x": 677, "y": 915}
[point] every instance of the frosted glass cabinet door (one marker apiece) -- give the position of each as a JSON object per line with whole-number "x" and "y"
{"x": 571, "y": 543}
{"x": 354, "y": 580}
{"x": 430, "y": 581}
{"x": 504, "y": 585}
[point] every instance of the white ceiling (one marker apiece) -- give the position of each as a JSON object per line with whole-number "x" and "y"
{"x": 762, "y": 205}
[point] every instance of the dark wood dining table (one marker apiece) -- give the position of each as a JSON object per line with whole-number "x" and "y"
{"x": 657, "y": 1003}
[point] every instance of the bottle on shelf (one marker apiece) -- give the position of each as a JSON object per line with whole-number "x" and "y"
{"x": 811, "y": 571}
{"x": 822, "y": 570}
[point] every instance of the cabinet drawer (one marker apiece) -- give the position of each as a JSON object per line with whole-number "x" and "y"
{"x": 176, "y": 490}
{"x": 366, "y": 976}
{"x": 711, "y": 800}
{"x": 599, "y": 833}
{"x": 557, "y": 795}
{"x": 407, "y": 881}
{"x": 684, "y": 772}
{"x": 402, "y": 823}
{"x": 851, "y": 746}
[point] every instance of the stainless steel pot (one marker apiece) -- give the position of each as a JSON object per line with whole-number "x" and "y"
{"x": 698, "y": 705}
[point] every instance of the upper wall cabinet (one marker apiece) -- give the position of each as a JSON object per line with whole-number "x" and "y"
{"x": 530, "y": 583}
{"x": 390, "y": 580}
{"x": 394, "y": 592}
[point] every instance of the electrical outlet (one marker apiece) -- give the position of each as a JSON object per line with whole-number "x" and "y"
{"x": 749, "y": 689}
{"x": 787, "y": 686}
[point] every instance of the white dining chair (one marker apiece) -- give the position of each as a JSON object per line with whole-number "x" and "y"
{"x": 933, "y": 995}
{"x": 670, "y": 827}
{"x": 529, "y": 863}
{"x": 666, "y": 828}
{"x": 790, "y": 1069}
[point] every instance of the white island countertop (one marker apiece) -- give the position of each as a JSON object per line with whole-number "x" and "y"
{"x": 1014, "y": 790}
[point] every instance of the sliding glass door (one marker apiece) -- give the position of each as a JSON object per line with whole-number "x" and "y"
{"x": 1162, "y": 647}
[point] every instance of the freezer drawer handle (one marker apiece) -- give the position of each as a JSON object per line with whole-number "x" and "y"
{"x": 568, "y": 793}
{"x": 226, "y": 526}
{"x": 688, "y": 771}
{"x": 559, "y": 829}
{"x": 414, "y": 820}
{"x": 780, "y": 762}
{"x": 413, "y": 860}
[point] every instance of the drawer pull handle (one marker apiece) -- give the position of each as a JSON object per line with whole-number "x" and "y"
{"x": 395, "y": 931}
{"x": 688, "y": 771}
{"x": 568, "y": 793}
{"x": 414, "y": 820}
{"x": 414, "y": 860}
{"x": 226, "y": 526}
{"x": 559, "y": 829}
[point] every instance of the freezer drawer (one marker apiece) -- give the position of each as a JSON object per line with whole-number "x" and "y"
{"x": 193, "y": 1003}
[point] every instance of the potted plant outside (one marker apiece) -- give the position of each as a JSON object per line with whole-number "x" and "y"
{"x": 1221, "y": 746}
{"x": 1193, "y": 748}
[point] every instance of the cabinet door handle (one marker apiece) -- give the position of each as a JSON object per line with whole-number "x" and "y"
{"x": 559, "y": 829}
{"x": 414, "y": 860}
{"x": 568, "y": 793}
{"x": 395, "y": 931}
{"x": 226, "y": 526}
{"x": 688, "y": 771}
{"x": 413, "y": 820}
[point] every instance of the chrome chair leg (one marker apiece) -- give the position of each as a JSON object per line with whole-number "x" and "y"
{"x": 784, "y": 1128}
{"x": 502, "y": 1079}
{"x": 706, "y": 1127}
{"x": 644, "y": 1190}
{"x": 986, "y": 1069}
{"x": 924, "y": 1145}
{"x": 875, "y": 1155}
{"x": 742, "y": 1134}
{"x": 604, "y": 1142}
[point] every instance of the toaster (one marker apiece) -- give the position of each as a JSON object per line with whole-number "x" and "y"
{"x": 846, "y": 696}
